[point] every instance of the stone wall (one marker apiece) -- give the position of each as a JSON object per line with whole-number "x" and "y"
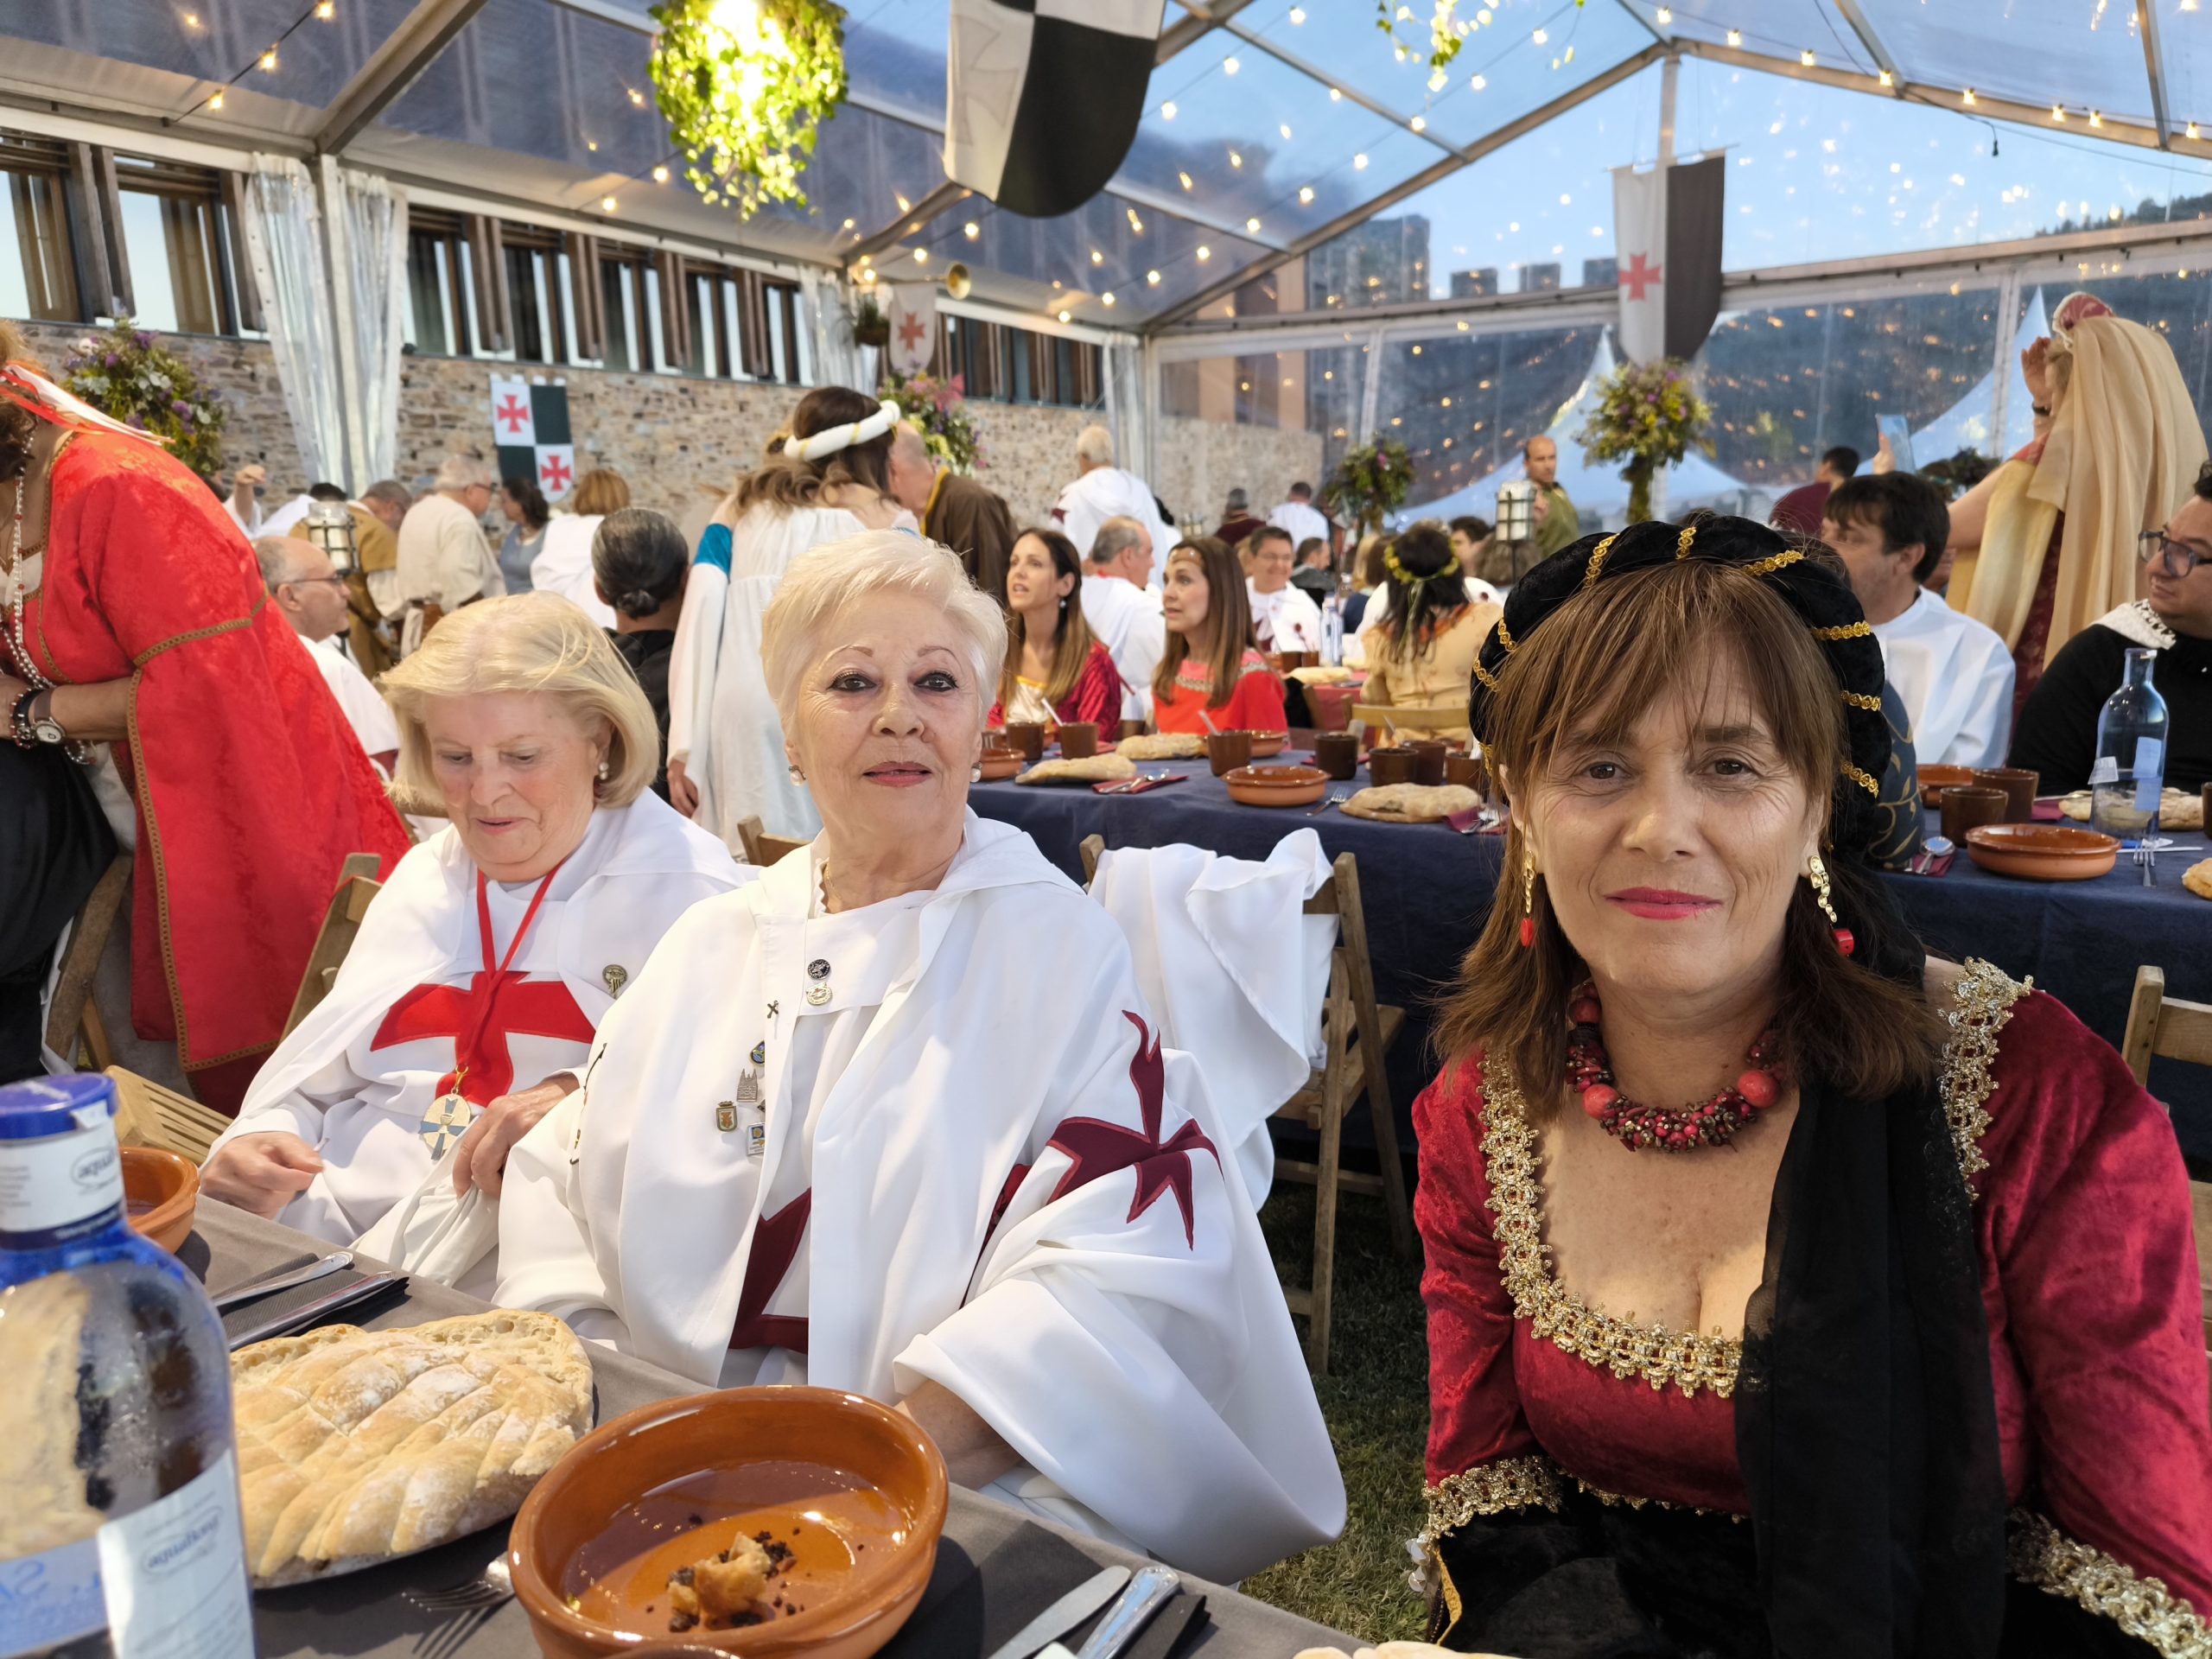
{"x": 679, "y": 440}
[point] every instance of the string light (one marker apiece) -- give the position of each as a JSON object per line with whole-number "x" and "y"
{"x": 2192, "y": 129}
{"x": 2058, "y": 113}
{"x": 904, "y": 205}
{"x": 326, "y": 9}
{"x": 1419, "y": 123}
{"x": 1185, "y": 178}
{"x": 1666, "y": 16}
{"x": 1284, "y": 129}
{"x": 1336, "y": 95}
{"x": 1359, "y": 161}
{"x": 269, "y": 60}
{"x": 1735, "y": 37}
{"x": 1806, "y": 57}
{"x": 1542, "y": 35}
{"x": 1305, "y": 194}
{"x": 2095, "y": 119}
{"x": 216, "y": 102}
{"x": 660, "y": 176}
{"x": 1236, "y": 159}
{"x": 1096, "y": 258}
{"x": 637, "y": 97}
{"x": 921, "y": 256}
{"x": 1888, "y": 79}
{"x": 972, "y": 230}
{"x": 1297, "y": 15}
{"x": 1168, "y": 111}
{"x": 1966, "y": 98}
{"x": 1151, "y": 278}
{"x": 1063, "y": 316}
{"x": 191, "y": 20}
{"x": 1107, "y": 298}
{"x": 1253, "y": 225}
{"x": 1205, "y": 253}
{"x": 1479, "y": 82}
{"x": 606, "y": 204}
{"x": 1230, "y": 65}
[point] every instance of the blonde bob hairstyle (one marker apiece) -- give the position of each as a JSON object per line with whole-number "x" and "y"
{"x": 525, "y": 642}
{"x": 827, "y": 583}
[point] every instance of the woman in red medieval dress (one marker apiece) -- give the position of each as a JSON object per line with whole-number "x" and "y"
{"x": 134, "y": 630}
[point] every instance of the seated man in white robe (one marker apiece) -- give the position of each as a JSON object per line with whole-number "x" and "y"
{"x": 466, "y": 1004}
{"x": 834, "y": 1136}
{"x": 1284, "y": 618}
{"x": 312, "y": 596}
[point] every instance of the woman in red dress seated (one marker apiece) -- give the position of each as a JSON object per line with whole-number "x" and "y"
{"x": 1056, "y": 672}
{"x": 1210, "y": 670}
{"x": 1789, "y": 1292}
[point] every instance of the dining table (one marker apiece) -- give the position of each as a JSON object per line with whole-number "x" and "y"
{"x": 996, "y": 1569}
{"x": 1426, "y": 890}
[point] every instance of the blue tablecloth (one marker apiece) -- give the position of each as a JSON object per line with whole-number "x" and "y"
{"x": 1426, "y": 890}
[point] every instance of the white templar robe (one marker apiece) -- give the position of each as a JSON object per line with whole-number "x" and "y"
{"x": 1286, "y": 619}
{"x": 1106, "y": 493}
{"x": 563, "y": 564}
{"x": 1029, "y": 1212}
{"x": 1954, "y": 675}
{"x": 1129, "y": 623}
{"x": 360, "y": 1102}
{"x": 722, "y": 719}
{"x": 364, "y": 707}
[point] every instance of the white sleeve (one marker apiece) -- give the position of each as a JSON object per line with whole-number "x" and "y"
{"x": 546, "y": 1264}
{"x": 692, "y": 659}
{"x": 1985, "y": 735}
{"x": 385, "y": 593}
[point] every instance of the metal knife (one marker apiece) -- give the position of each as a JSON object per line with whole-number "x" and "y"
{"x": 1063, "y": 1615}
{"x": 306, "y": 1313}
{"x": 1153, "y": 1588}
{"x": 336, "y": 1261}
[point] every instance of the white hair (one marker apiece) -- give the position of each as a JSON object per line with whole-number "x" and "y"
{"x": 279, "y": 558}
{"x": 466, "y": 472}
{"x": 1095, "y": 445}
{"x": 828, "y": 583}
{"x": 907, "y": 439}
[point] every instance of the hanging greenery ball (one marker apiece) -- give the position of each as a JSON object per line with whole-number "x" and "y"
{"x": 745, "y": 84}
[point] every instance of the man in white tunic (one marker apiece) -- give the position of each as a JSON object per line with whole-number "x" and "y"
{"x": 445, "y": 561}
{"x": 812, "y": 1146}
{"x": 1954, "y": 675}
{"x": 312, "y": 597}
{"x": 1122, "y": 608}
{"x": 1284, "y": 617}
{"x": 1300, "y": 518}
{"x": 1104, "y": 491}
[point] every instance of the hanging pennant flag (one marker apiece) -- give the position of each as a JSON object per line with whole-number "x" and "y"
{"x": 529, "y": 429}
{"x": 1666, "y": 232}
{"x": 1043, "y": 97}
{"x": 912, "y": 314}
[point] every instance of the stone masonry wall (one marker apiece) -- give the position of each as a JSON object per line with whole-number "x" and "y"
{"x": 680, "y": 440}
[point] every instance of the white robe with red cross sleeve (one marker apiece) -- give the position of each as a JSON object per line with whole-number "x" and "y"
{"x": 1013, "y": 1193}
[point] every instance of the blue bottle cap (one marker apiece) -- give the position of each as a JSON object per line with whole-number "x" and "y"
{"x": 44, "y": 1106}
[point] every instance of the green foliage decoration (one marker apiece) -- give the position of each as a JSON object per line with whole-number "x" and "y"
{"x": 745, "y": 85}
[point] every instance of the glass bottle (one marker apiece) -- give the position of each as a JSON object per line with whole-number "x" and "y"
{"x": 2131, "y": 761}
{"x": 120, "y": 1536}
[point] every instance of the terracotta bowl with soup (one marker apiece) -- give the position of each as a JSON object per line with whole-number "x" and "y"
{"x": 647, "y": 1529}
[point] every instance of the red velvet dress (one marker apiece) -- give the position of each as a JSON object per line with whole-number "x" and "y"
{"x": 2088, "y": 1281}
{"x": 251, "y": 788}
{"x": 1255, "y": 701}
{"x": 1095, "y": 696}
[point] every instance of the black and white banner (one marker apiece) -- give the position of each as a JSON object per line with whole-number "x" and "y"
{"x": 529, "y": 427}
{"x": 1043, "y": 97}
{"x": 1666, "y": 232}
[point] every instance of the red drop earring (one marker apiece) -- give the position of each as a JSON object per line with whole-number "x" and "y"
{"x": 1817, "y": 873}
{"x": 1528, "y": 901}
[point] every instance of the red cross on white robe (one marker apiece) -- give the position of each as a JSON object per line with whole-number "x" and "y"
{"x": 526, "y": 1007}
{"x": 1097, "y": 1148}
{"x": 775, "y": 1247}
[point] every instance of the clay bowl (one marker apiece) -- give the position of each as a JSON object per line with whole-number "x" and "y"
{"x": 2040, "y": 852}
{"x": 161, "y": 1191}
{"x": 1276, "y": 785}
{"x": 855, "y": 1491}
{"x": 1264, "y": 744}
{"x": 1934, "y": 781}
{"x": 999, "y": 765}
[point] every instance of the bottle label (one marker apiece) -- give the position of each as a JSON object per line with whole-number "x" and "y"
{"x": 59, "y": 1178}
{"x": 50, "y": 1598}
{"x": 173, "y": 1574}
{"x": 2150, "y": 771}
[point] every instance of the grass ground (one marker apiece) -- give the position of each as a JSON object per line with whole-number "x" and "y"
{"x": 1375, "y": 1401}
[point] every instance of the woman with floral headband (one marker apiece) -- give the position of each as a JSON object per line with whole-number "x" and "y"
{"x": 1421, "y": 654}
{"x": 1789, "y": 1292}
{"x": 830, "y": 479}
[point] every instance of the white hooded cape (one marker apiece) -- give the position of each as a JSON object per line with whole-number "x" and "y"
{"x": 638, "y": 868}
{"x": 990, "y": 1208}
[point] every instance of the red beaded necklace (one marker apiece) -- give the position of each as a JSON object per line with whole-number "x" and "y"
{"x": 1709, "y": 1123}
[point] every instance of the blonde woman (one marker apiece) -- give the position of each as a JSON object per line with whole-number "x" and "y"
{"x": 564, "y": 562}
{"x": 1056, "y": 669}
{"x": 466, "y": 1004}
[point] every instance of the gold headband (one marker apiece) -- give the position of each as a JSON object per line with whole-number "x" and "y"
{"x": 1598, "y": 560}
{"x": 1489, "y": 680}
{"x": 1849, "y": 631}
{"x": 1862, "y": 779}
{"x": 1774, "y": 562}
{"x": 1682, "y": 546}
{"x": 1865, "y": 700}
{"x": 1505, "y": 635}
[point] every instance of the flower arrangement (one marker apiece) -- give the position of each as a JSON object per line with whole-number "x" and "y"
{"x": 745, "y": 84}
{"x": 870, "y": 326}
{"x": 1649, "y": 415}
{"x": 1372, "y": 481}
{"x": 938, "y": 409}
{"x": 125, "y": 374}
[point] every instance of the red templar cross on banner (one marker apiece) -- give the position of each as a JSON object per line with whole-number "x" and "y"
{"x": 1640, "y": 275}
{"x": 555, "y": 474}
{"x": 911, "y": 330}
{"x": 511, "y": 413}
{"x": 527, "y": 1007}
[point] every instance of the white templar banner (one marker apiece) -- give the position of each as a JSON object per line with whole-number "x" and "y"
{"x": 1640, "y": 239}
{"x": 912, "y": 314}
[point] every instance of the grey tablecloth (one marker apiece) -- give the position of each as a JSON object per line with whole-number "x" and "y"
{"x": 995, "y": 1569}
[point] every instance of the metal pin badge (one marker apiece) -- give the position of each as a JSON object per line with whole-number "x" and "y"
{"x": 817, "y": 969}
{"x": 614, "y": 976}
{"x": 817, "y": 994}
{"x": 726, "y": 1115}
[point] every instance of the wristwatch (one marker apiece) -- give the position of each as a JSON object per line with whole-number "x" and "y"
{"x": 32, "y": 727}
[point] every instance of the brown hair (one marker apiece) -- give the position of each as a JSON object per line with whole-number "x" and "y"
{"x": 599, "y": 492}
{"x": 1372, "y": 547}
{"x": 1600, "y": 660}
{"x": 787, "y": 482}
{"x": 1228, "y": 612}
{"x": 1070, "y": 644}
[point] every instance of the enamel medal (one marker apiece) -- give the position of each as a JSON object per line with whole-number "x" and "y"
{"x": 445, "y": 1121}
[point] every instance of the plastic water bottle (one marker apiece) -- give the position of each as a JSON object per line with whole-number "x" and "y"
{"x": 120, "y": 1535}
{"x": 2131, "y": 764}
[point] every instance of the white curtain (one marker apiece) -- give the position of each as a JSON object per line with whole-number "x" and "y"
{"x": 283, "y": 240}
{"x": 829, "y": 325}
{"x": 1128, "y": 408}
{"x": 376, "y": 248}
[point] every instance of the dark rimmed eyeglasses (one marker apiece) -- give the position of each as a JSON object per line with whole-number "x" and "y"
{"x": 340, "y": 581}
{"x": 2176, "y": 558}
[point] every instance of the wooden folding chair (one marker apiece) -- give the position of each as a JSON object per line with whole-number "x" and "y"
{"x": 357, "y": 885}
{"x": 760, "y": 847}
{"x": 2159, "y": 1025}
{"x": 1358, "y": 1032}
{"x": 73, "y": 1015}
{"x": 148, "y": 1115}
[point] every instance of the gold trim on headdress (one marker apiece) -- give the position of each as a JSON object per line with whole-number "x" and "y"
{"x": 1865, "y": 700}
{"x": 1682, "y": 544}
{"x": 1774, "y": 562}
{"x": 1597, "y": 560}
{"x": 1862, "y": 779}
{"x": 1505, "y": 637}
{"x": 1849, "y": 631}
{"x": 1489, "y": 680}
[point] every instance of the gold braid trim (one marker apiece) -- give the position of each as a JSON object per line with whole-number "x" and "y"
{"x": 1491, "y": 1489}
{"x": 1865, "y": 700}
{"x": 1682, "y": 542}
{"x": 1619, "y": 1500}
{"x": 2039, "y": 1555}
{"x": 1861, "y": 779}
{"x": 1685, "y": 1359}
{"x": 1985, "y": 999}
{"x": 1774, "y": 562}
{"x": 1849, "y": 631}
{"x": 1505, "y": 637}
{"x": 1597, "y": 560}
{"x": 1489, "y": 679}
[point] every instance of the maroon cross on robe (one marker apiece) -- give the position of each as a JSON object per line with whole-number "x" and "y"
{"x": 775, "y": 1247}
{"x": 526, "y": 1007}
{"x": 1097, "y": 1148}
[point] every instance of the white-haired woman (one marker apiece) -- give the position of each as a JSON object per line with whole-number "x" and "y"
{"x": 830, "y": 481}
{"x": 467, "y": 1002}
{"x": 832, "y": 1136}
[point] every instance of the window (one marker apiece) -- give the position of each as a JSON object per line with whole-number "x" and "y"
{"x": 540, "y": 329}
{"x": 625, "y": 280}
{"x": 438, "y": 274}
{"x": 177, "y": 247}
{"x": 995, "y": 360}
{"x": 38, "y": 272}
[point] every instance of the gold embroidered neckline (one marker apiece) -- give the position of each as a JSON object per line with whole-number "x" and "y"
{"x": 1684, "y": 1359}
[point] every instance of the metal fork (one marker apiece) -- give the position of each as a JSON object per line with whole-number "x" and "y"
{"x": 466, "y": 1607}
{"x": 1337, "y": 797}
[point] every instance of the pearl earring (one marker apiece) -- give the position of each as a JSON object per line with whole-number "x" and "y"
{"x": 604, "y": 771}
{"x": 975, "y": 772}
{"x": 796, "y": 776}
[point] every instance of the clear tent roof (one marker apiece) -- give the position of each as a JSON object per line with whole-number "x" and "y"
{"x": 1276, "y": 122}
